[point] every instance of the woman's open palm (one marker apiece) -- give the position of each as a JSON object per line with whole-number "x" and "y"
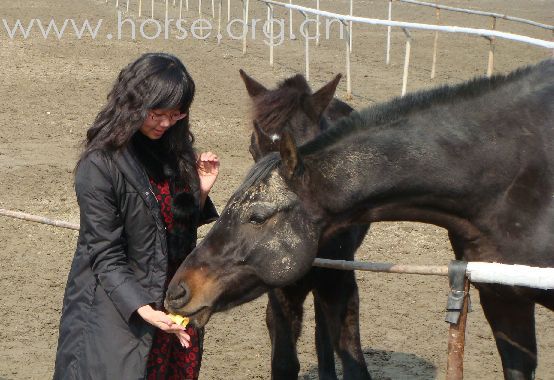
{"x": 207, "y": 165}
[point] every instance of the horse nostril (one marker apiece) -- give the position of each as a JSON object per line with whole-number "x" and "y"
{"x": 178, "y": 296}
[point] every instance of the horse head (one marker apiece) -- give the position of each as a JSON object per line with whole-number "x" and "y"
{"x": 267, "y": 236}
{"x": 292, "y": 106}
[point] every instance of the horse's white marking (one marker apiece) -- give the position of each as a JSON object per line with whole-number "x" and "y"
{"x": 274, "y": 137}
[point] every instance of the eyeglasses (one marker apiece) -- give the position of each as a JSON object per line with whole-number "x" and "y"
{"x": 172, "y": 118}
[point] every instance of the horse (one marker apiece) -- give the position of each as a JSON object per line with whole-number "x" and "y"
{"x": 292, "y": 105}
{"x": 476, "y": 159}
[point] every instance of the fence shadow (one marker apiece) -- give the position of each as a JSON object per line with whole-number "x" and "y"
{"x": 387, "y": 365}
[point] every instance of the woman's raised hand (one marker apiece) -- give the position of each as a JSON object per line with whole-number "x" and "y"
{"x": 162, "y": 321}
{"x": 207, "y": 165}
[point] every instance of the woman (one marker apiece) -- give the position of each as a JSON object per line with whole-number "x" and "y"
{"x": 142, "y": 193}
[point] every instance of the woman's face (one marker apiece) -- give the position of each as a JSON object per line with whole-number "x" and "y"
{"x": 159, "y": 121}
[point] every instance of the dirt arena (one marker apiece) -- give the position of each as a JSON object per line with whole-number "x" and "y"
{"x": 52, "y": 89}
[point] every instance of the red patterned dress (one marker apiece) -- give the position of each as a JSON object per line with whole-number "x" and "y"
{"x": 168, "y": 359}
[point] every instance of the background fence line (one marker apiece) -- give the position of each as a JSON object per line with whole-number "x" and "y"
{"x": 495, "y": 16}
{"x": 348, "y": 20}
{"x": 480, "y": 13}
{"x": 420, "y": 26}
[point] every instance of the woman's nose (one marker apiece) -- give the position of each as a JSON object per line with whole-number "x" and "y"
{"x": 165, "y": 122}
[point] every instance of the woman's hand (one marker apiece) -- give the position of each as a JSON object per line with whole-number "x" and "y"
{"x": 162, "y": 321}
{"x": 207, "y": 165}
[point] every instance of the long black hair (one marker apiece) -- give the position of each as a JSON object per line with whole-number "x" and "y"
{"x": 153, "y": 81}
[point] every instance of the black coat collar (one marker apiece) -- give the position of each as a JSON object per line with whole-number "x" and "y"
{"x": 131, "y": 163}
{"x": 127, "y": 162}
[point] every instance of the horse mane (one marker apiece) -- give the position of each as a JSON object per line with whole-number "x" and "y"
{"x": 259, "y": 171}
{"x": 400, "y": 107}
{"x": 272, "y": 108}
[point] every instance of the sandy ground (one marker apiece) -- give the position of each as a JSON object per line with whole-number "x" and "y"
{"x": 52, "y": 89}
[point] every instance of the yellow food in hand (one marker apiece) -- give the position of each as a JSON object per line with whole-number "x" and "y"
{"x": 179, "y": 319}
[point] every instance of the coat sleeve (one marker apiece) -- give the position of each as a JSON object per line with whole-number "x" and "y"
{"x": 103, "y": 232}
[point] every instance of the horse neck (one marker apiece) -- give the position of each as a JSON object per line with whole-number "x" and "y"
{"x": 382, "y": 169}
{"x": 448, "y": 161}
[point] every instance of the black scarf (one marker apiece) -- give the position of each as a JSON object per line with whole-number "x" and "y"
{"x": 154, "y": 157}
{"x": 161, "y": 165}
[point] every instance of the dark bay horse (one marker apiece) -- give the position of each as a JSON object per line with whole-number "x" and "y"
{"x": 476, "y": 159}
{"x": 293, "y": 106}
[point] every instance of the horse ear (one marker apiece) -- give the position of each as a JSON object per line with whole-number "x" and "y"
{"x": 253, "y": 87}
{"x": 290, "y": 160}
{"x": 324, "y": 95}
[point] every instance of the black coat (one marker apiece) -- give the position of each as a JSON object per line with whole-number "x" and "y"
{"x": 120, "y": 264}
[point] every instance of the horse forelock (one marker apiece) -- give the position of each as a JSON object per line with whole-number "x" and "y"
{"x": 297, "y": 82}
{"x": 273, "y": 109}
{"x": 260, "y": 171}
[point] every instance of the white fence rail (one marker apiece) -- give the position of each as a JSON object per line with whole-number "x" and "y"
{"x": 490, "y": 273}
{"x": 480, "y": 13}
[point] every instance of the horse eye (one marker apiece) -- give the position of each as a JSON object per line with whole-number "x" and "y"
{"x": 257, "y": 219}
{"x": 261, "y": 213}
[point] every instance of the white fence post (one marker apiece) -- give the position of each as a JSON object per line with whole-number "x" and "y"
{"x": 245, "y": 4}
{"x": 490, "y": 65}
{"x": 219, "y": 22}
{"x": 271, "y": 43}
{"x": 350, "y": 27}
{"x": 200, "y": 16}
{"x": 387, "y": 61}
{"x": 435, "y": 43}
{"x": 406, "y": 60}
{"x": 348, "y": 73}
{"x": 317, "y": 25}
{"x": 291, "y": 34}
{"x": 307, "y": 46}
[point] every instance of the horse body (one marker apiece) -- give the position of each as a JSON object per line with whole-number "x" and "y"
{"x": 480, "y": 167}
{"x": 476, "y": 159}
{"x": 305, "y": 115}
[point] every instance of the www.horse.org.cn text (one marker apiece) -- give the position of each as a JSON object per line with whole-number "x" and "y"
{"x": 179, "y": 29}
